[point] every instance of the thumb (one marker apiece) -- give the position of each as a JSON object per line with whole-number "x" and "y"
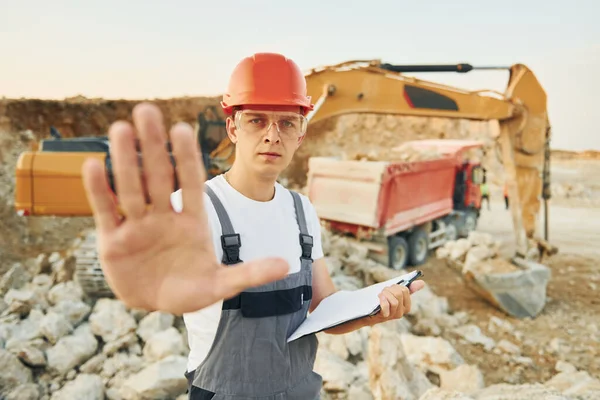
{"x": 416, "y": 286}
{"x": 233, "y": 279}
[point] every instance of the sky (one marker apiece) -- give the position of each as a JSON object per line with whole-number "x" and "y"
{"x": 159, "y": 49}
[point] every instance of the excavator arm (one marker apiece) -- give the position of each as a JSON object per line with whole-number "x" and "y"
{"x": 346, "y": 88}
{"x": 521, "y": 111}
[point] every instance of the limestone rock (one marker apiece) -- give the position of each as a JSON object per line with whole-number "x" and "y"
{"x": 126, "y": 341}
{"x": 345, "y": 282}
{"x": 28, "y": 391}
{"x": 472, "y": 334}
{"x": 574, "y": 383}
{"x": 30, "y": 355}
{"x": 337, "y": 373}
{"x": 154, "y": 322}
{"x": 476, "y": 238}
{"x": 508, "y": 347}
{"x": 430, "y": 354}
{"x": 41, "y": 284}
{"x": 425, "y": 304}
{"x": 54, "y": 326}
{"x": 476, "y": 255}
{"x": 15, "y": 278}
{"x": 24, "y": 330}
{"x": 161, "y": 380}
{"x": 13, "y": 374}
{"x": 121, "y": 362}
{"x": 20, "y": 301}
{"x": 464, "y": 378}
{"x": 163, "y": 344}
{"x": 499, "y": 325}
{"x": 334, "y": 265}
{"x": 344, "y": 346}
{"x": 535, "y": 391}
{"x": 440, "y": 394}
{"x": 110, "y": 320}
{"x": 72, "y": 350}
{"x": 391, "y": 375}
{"x": 94, "y": 364}
{"x": 63, "y": 269}
{"x": 65, "y": 291}
{"x": 458, "y": 249}
{"x": 360, "y": 392}
{"x": 75, "y": 311}
{"x": 83, "y": 387}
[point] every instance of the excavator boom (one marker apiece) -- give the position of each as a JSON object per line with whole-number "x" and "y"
{"x": 521, "y": 111}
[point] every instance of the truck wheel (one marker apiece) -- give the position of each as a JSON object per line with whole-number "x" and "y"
{"x": 451, "y": 231}
{"x": 418, "y": 245}
{"x": 470, "y": 223}
{"x": 398, "y": 252}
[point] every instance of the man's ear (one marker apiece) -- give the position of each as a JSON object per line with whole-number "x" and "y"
{"x": 300, "y": 141}
{"x": 231, "y": 129}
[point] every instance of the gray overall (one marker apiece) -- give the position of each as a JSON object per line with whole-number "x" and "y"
{"x": 250, "y": 357}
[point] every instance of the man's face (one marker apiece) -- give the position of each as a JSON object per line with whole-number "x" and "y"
{"x": 266, "y": 137}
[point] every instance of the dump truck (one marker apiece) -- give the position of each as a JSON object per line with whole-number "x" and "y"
{"x": 49, "y": 181}
{"x": 400, "y": 209}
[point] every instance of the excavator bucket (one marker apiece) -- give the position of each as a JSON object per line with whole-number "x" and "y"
{"x": 520, "y": 293}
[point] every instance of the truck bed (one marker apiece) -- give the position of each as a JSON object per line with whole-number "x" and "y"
{"x": 392, "y": 196}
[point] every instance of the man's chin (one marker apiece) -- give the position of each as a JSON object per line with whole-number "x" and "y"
{"x": 270, "y": 169}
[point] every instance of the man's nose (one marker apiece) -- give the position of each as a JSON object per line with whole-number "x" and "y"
{"x": 272, "y": 134}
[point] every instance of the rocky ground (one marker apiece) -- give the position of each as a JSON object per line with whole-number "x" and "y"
{"x": 55, "y": 343}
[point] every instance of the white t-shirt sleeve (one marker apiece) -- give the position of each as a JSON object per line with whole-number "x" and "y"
{"x": 314, "y": 228}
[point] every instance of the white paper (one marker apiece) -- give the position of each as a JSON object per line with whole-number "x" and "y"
{"x": 345, "y": 305}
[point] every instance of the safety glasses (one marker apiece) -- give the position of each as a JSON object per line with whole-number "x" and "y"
{"x": 290, "y": 125}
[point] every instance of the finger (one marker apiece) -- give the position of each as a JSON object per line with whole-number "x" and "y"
{"x": 234, "y": 279}
{"x": 99, "y": 195}
{"x": 126, "y": 171}
{"x": 158, "y": 170}
{"x": 406, "y": 300}
{"x": 190, "y": 170}
{"x": 416, "y": 286}
{"x": 385, "y": 305}
{"x": 393, "y": 300}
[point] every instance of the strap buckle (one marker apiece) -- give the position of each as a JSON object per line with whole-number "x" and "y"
{"x": 306, "y": 242}
{"x": 231, "y": 248}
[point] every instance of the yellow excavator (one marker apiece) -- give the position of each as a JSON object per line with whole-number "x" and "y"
{"x": 48, "y": 179}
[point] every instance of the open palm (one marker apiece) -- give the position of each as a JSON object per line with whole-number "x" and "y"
{"x": 153, "y": 257}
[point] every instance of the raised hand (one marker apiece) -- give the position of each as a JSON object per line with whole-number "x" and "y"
{"x": 154, "y": 257}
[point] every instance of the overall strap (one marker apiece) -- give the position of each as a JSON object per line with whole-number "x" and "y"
{"x": 306, "y": 240}
{"x": 230, "y": 241}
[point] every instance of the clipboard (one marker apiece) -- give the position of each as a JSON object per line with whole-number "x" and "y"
{"x": 348, "y": 305}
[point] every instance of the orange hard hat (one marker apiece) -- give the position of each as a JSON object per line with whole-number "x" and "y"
{"x": 266, "y": 79}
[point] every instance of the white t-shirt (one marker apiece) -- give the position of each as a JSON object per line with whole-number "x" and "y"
{"x": 267, "y": 229}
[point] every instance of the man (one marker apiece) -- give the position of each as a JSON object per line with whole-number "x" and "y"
{"x": 485, "y": 194}
{"x": 190, "y": 250}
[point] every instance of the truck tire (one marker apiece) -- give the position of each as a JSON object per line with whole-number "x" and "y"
{"x": 418, "y": 245}
{"x": 451, "y": 230}
{"x": 470, "y": 223}
{"x": 398, "y": 252}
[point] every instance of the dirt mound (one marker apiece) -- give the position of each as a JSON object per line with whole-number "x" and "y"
{"x": 575, "y": 155}
{"x": 22, "y": 122}
{"x": 372, "y": 136}
{"x": 79, "y": 116}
